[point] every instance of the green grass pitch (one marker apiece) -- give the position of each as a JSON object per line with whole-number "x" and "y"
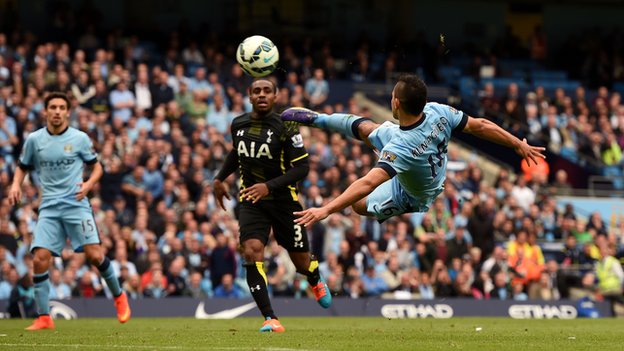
{"x": 368, "y": 334}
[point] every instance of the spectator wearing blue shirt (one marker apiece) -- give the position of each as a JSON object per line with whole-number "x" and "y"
{"x": 153, "y": 177}
{"x": 200, "y": 85}
{"x": 218, "y": 115}
{"x": 122, "y": 101}
{"x": 227, "y": 289}
{"x": 374, "y": 285}
{"x": 316, "y": 89}
{"x": 58, "y": 289}
{"x": 8, "y": 138}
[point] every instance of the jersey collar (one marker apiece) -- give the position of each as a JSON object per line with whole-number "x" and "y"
{"x": 410, "y": 127}
{"x": 63, "y": 131}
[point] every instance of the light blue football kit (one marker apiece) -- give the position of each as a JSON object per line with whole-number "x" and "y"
{"x": 59, "y": 161}
{"x": 415, "y": 157}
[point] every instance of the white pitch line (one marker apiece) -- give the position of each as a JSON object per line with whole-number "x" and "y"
{"x": 152, "y": 347}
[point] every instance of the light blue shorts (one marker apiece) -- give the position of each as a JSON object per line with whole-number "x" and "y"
{"x": 57, "y": 224}
{"x": 390, "y": 199}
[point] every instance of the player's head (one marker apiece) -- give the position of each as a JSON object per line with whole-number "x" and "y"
{"x": 409, "y": 96}
{"x": 56, "y": 109}
{"x": 262, "y": 93}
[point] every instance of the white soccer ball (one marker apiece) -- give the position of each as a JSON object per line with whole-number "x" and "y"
{"x": 257, "y": 56}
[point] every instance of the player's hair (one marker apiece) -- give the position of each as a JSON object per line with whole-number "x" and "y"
{"x": 412, "y": 93}
{"x": 55, "y": 95}
{"x": 266, "y": 79}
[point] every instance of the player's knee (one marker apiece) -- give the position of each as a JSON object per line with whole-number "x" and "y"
{"x": 253, "y": 250}
{"x": 95, "y": 257}
{"x": 41, "y": 260}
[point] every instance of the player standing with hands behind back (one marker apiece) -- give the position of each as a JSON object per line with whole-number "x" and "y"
{"x": 272, "y": 159}
{"x": 58, "y": 153}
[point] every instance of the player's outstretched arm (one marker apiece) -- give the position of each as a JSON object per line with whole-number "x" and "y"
{"x": 15, "y": 193}
{"x": 354, "y": 193}
{"x": 490, "y": 131}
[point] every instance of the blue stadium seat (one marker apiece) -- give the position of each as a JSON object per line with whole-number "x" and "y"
{"x": 540, "y": 74}
{"x": 551, "y": 85}
{"x": 467, "y": 87}
{"x": 449, "y": 74}
{"x": 619, "y": 87}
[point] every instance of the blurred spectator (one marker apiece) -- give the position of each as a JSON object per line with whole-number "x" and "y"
{"x": 22, "y": 299}
{"x": 373, "y": 284}
{"x": 222, "y": 260}
{"x": 316, "y": 89}
{"x": 122, "y": 102}
{"x": 227, "y": 289}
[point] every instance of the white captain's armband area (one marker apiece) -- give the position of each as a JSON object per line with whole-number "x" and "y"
{"x": 297, "y": 140}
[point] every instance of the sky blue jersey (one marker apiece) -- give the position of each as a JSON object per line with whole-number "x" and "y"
{"x": 416, "y": 154}
{"x": 59, "y": 160}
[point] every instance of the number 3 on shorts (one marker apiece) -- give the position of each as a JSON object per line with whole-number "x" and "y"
{"x": 298, "y": 233}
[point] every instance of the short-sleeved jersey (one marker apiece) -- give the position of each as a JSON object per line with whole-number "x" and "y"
{"x": 417, "y": 154}
{"x": 266, "y": 148}
{"x": 59, "y": 160}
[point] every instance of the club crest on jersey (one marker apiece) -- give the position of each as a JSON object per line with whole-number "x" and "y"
{"x": 68, "y": 148}
{"x": 269, "y": 134}
{"x": 388, "y": 156}
{"x": 297, "y": 140}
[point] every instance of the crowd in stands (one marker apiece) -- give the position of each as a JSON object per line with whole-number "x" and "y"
{"x": 162, "y": 131}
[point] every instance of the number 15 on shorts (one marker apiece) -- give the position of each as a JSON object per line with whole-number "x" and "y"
{"x": 88, "y": 226}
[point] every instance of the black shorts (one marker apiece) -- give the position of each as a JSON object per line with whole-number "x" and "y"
{"x": 256, "y": 221}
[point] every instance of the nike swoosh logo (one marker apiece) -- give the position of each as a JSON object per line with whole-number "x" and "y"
{"x": 267, "y": 59}
{"x": 200, "y": 313}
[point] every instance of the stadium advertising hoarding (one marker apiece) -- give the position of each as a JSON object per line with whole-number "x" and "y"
{"x": 232, "y": 308}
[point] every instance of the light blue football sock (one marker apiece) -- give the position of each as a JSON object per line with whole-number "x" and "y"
{"x": 343, "y": 123}
{"x": 42, "y": 292}
{"x": 107, "y": 272}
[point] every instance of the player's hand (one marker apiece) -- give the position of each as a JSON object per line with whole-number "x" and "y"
{"x": 255, "y": 192}
{"x": 310, "y": 216}
{"x": 15, "y": 195}
{"x": 528, "y": 152}
{"x": 219, "y": 190}
{"x": 83, "y": 191}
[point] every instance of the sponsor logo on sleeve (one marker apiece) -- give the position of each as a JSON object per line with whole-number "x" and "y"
{"x": 297, "y": 140}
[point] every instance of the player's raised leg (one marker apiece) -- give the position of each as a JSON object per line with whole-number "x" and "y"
{"x": 353, "y": 126}
{"x": 96, "y": 258}
{"x": 41, "y": 263}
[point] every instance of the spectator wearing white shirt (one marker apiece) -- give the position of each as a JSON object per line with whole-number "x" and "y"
{"x": 142, "y": 90}
{"x": 525, "y": 196}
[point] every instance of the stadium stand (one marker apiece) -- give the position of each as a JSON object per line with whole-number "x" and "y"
{"x": 479, "y": 239}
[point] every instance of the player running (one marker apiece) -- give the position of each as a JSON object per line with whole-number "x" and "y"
{"x": 271, "y": 159}
{"x": 411, "y": 169}
{"x": 58, "y": 153}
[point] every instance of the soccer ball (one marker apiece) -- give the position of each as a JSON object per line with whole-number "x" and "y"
{"x": 257, "y": 56}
